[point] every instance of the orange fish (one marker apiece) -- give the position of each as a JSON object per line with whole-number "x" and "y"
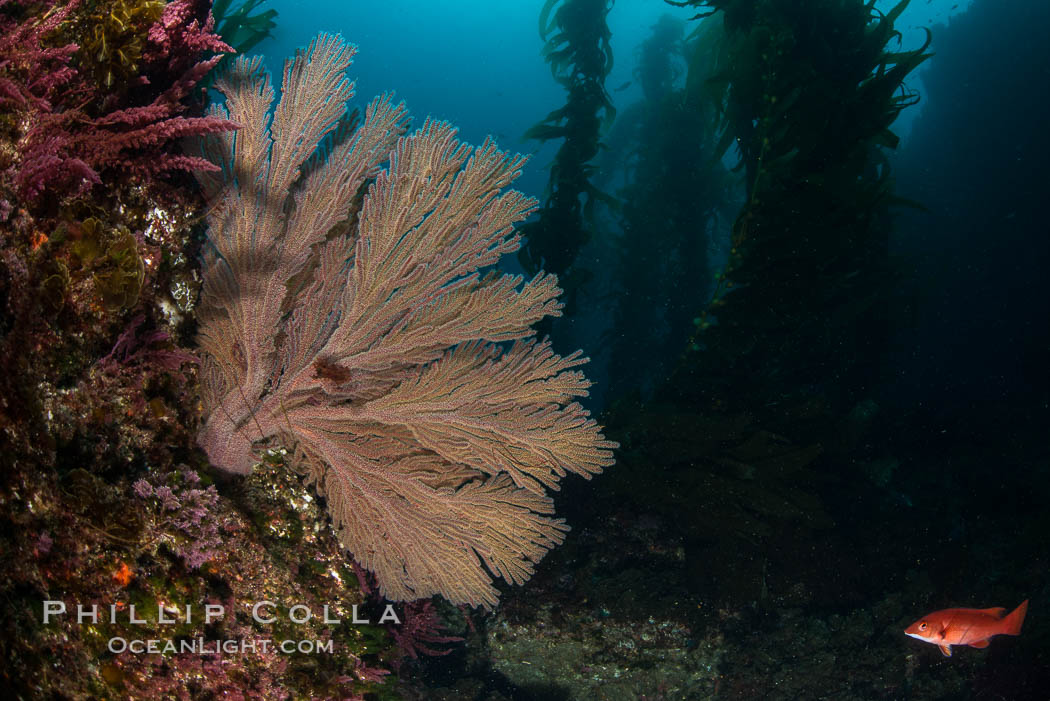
{"x": 970, "y": 627}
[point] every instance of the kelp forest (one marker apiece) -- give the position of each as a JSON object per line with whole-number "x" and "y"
{"x": 745, "y": 270}
{"x": 267, "y": 346}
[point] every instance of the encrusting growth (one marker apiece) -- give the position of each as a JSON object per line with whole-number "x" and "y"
{"x": 347, "y": 312}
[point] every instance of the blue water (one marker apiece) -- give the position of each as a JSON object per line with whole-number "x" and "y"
{"x": 478, "y": 64}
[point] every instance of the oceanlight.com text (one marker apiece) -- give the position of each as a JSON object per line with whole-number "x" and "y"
{"x": 201, "y": 646}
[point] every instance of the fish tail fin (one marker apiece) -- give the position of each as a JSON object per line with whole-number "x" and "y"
{"x": 1013, "y": 620}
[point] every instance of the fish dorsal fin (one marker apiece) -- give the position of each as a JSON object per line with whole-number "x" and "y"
{"x": 946, "y": 649}
{"x": 998, "y": 611}
{"x": 979, "y": 643}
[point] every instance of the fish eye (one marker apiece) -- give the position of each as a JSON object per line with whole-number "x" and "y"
{"x": 923, "y": 626}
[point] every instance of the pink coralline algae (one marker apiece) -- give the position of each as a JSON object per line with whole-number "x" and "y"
{"x": 185, "y": 30}
{"x": 186, "y": 516}
{"x": 422, "y": 630}
{"x": 71, "y": 130}
{"x": 30, "y": 71}
{"x": 151, "y": 348}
